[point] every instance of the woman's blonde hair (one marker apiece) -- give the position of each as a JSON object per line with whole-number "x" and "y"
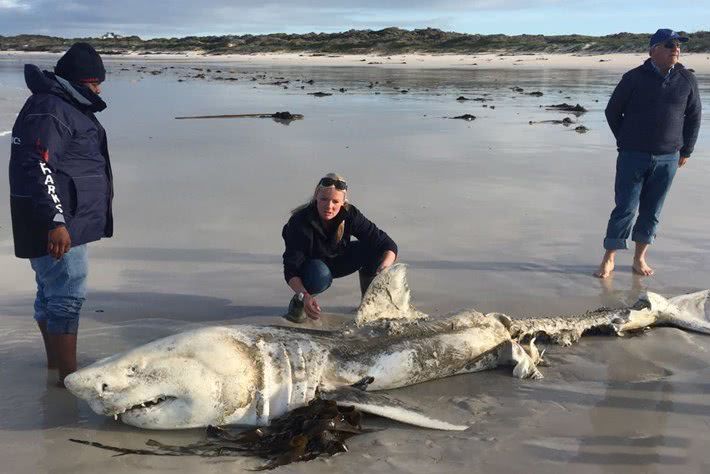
{"x": 341, "y": 227}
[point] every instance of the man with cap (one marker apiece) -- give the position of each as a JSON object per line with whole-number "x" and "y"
{"x": 654, "y": 113}
{"x": 61, "y": 189}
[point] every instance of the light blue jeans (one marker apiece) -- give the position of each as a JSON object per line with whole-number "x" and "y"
{"x": 642, "y": 182}
{"x": 61, "y": 289}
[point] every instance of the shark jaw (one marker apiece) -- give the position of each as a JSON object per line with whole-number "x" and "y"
{"x": 139, "y": 410}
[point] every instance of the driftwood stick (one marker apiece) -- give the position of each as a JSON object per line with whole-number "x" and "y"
{"x": 223, "y": 116}
{"x": 276, "y": 115}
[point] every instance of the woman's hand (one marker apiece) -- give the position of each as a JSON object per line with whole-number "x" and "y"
{"x": 311, "y": 306}
{"x": 388, "y": 259}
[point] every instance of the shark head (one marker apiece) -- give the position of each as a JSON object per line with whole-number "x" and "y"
{"x": 187, "y": 380}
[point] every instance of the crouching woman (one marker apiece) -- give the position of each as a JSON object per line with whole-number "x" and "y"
{"x": 318, "y": 247}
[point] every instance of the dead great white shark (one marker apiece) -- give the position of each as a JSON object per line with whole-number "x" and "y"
{"x": 249, "y": 375}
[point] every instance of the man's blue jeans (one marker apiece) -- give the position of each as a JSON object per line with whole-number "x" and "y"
{"x": 61, "y": 289}
{"x": 642, "y": 182}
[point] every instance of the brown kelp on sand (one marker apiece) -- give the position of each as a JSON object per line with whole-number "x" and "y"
{"x": 320, "y": 428}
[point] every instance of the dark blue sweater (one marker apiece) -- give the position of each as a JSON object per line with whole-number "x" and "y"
{"x": 658, "y": 115}
{"x": 305, "y": 237}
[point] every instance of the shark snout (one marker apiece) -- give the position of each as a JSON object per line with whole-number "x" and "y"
{"x": 82, "y": 386}
{"x": 88, "y": 384}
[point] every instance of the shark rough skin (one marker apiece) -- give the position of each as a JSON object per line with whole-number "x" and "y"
{"x": 249, "y": 375}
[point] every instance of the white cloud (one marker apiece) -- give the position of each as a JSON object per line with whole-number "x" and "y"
{"x": 13, "y": 5}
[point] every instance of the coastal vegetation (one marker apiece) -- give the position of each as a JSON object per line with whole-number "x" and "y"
{"x": 385, "y": 41}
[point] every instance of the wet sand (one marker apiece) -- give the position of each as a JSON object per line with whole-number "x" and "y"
{"x": 494, "y": 214}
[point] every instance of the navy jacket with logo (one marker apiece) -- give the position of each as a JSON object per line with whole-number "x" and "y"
{"x": 657, "y": 115}
{"x": 60, "y": 171}
{"x": 305, "y": 237}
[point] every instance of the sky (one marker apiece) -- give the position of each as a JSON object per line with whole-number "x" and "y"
{"x": 177, "y": 18}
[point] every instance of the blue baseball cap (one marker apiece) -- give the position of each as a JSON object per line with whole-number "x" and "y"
{"x": 663, "y": 35}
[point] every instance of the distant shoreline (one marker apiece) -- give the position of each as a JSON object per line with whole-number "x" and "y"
{"x": 699, "y": 62}
{"x": 385, "y": 41}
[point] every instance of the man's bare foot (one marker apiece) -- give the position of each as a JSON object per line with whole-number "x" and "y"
{"x": 640, "y": 267}
{"x": 605, "y": 268}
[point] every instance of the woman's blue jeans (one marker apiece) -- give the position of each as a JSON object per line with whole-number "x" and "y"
{"x": 317, "y": 275}
{"x": 61, "y": 289}
{"x": 642, "y": 182}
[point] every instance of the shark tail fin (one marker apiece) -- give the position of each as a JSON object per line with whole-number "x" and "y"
{"x": 387, "y": 297}
{"x": 387, "y": 407}
{"x": 691, "y": 311}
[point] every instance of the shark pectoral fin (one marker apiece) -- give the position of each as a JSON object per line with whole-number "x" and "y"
{"x": 524, "y": 366}
{"x": 692, "y": 312}
{"x": 387, "y": 407}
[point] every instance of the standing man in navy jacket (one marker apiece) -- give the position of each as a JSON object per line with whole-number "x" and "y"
{"x": 654, "y": 114}
{"x": 61, "y": 191}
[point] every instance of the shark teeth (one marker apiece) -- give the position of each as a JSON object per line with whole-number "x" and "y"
{"x": 142, "y": 405}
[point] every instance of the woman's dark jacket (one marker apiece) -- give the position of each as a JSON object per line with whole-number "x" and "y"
{"x": 60, "y": 173}
{"x": 306, "y": 238}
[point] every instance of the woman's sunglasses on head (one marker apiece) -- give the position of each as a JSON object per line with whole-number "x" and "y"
{"x": 339, "y": 184}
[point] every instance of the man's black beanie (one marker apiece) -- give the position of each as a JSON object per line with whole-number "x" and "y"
{"x": 81, "y": 63}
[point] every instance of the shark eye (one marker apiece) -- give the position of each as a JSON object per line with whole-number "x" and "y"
{"x": 132, "y": 370}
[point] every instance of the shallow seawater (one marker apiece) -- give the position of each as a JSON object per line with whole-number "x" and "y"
{"x": 494, "y": 213}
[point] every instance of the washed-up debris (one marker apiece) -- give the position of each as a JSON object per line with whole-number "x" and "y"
{"x": 581, "y": 129}
{"x": 318, "y": 429}
{"x": 475, "y": 99}
{"x": 320, "y": 94}
{"x": 565, "y": 121}
{"x": 277, "y": 115}
{"x": 567, "y": 108}
{"x": 535, "y": 94}
{"x": 467, "y": 117}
